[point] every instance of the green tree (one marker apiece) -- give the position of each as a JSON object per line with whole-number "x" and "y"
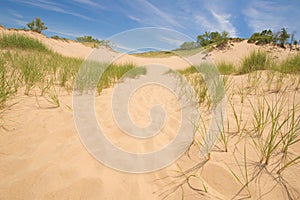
{"x": 220, "y": 39}
{"x": 189, "y": 45}
{"x": 37, "y": 25}
{"x": 264, "y": 37}
{"x": 225, "y": 35}
{"x": 283, "y": 36}
{"x": 215, "y": 36}
{"x": 87, "y": 38}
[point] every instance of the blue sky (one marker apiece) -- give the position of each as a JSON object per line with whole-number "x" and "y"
{"x": 104, "y": 18}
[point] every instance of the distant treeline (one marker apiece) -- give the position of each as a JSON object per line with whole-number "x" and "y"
{"x": 268, "y": 37}
{"x": 90, "y": 39}
{"x": 220, "y": 40}
{"x": 208, "y": 38}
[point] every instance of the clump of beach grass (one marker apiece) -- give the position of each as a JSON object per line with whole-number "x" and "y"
{"x": 18, "y": 41}
{"x": 257, "y": 60}
{"x": 26, "y": 62}
{"x": 226, "y": 68}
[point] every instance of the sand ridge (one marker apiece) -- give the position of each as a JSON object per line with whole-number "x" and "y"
{"x": 42, "y": 157}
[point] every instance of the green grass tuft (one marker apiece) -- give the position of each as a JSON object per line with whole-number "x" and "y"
{"x": 257, "y": 60}
{"x": 290, "y": 65}
{"x": 226, "y": 68}
{"x": 12, "y": 41}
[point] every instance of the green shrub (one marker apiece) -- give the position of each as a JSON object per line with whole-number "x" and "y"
{"x": 37, "y": 25}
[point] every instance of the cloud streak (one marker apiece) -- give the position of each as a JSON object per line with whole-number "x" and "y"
{"x": 216, "y": 21}
{"x": 149, "y": 14}
{"x": 262, "y": 15}
{"x": 89, "y": 3}
{"x": 51, "y": 6}
{"x": 15, "y": 14}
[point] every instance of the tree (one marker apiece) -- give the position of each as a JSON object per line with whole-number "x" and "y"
{"x": 225, "y": 35}
{"x": 204, "y": 39}
{"x": 264, "y": 37}
{"x": 87, "y": 38}
{"x": 94, "y": 41}
{"x": 283, "y": 36}
{"x": 189, "y": 45}
{"x": 220, "y": 39}
{"x": 215, "y": 36}
{"x": 37, "y": 25}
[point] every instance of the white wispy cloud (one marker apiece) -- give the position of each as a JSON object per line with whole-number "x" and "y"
{"x": 20, "y": 22}
{"x": 52, "y": 6}
{"x": 65, "y": 32}
{"x": 134, "y": 18}
{"x": 149, "y": 14}
{"x": 262, "y": 15}
{"x": 224, "y": 23}
{"x": 171, "y": 41}
{"x": 216, "y": 21}
{"x": 204, "y": 22}
{"x": 89, "y": 3}
{"x": 15, "y": 14}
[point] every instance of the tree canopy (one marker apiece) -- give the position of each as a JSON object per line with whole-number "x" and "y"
{"x": 213, "y": 37}
{"x": 37, "y": 25}
{"x": 267, "y": 37}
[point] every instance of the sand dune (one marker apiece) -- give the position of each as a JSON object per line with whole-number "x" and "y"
{"x": 42, "y": 157}
{"x": 240, "y": 50}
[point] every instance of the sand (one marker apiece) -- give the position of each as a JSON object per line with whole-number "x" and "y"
{"x": 239, "y": 50}
{"x": 42, "y": 156}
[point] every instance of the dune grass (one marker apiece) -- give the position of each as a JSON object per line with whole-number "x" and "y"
{"x": 289, "y": 65}
{"x": 257, "y": 60}
{"x": 27, "y": 63}
{"x": 275, "y": 130}
{"x": 115, "y": 73}
{"x": 272, "y": 129}
{"x": 190, "y": 52}
{"x": 226, "y": 68}
{"x": 155, "y": 54}
{"x": 18, "y": 41}
{"x": 8, "y": 83}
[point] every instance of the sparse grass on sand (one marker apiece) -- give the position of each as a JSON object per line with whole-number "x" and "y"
{"x": 261, "y": 130}
{"x": 155, "y": 54}
{"x": 290, "y": 65}
{"x": 17, "y": 41}
{"x": 27, "y": 63}
{"x": 263, "y": 117}
{"x": 226, "y": 68}
{"x": 257, "y": 60}
{"x": 185, "y": 53}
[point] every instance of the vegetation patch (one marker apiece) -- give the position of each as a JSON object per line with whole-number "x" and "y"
{"x": 18, "y": 41}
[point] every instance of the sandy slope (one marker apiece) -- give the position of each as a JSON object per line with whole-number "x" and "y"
{"x": 234, "y": 54}
{"x": 42, "y": 157}
{"x": 240, "y": 50}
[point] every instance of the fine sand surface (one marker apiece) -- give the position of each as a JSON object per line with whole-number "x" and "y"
{"x": 240, "y": 50}
{"x": 42, "y": 157}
